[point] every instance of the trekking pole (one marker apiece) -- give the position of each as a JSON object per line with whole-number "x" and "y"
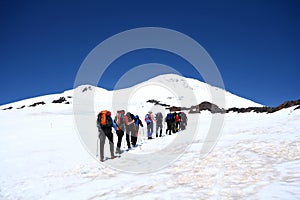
{"x": 97, "y": 147}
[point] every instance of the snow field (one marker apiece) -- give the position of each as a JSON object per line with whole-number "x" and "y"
{"x": 42, "y": 157}
{"x": 46, "y": 154}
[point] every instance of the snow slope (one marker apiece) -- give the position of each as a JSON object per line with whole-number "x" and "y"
{"x": 42, "y": 156}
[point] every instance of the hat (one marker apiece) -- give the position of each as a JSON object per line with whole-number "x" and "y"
{"x": 150, "y": 111}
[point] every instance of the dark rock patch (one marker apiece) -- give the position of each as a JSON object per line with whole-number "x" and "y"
{"x": 9, "y": 108}
{"x": 21, "y": 107}
{"x": 215, "y": 109}
{"x": 155, "y": 102}
{"x": 86, "y": 89}
{"x": 60, "y": 100}
{"x": 210, "y": 107}
{"x": 284, "y": 105}
{"x": 37, "y": 103}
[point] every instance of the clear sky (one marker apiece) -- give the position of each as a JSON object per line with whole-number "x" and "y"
{"x": 255, "y": 44}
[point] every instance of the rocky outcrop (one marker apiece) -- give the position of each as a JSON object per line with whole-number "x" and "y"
{"x": 37, "y": 103}
{"x": 60, "y": 100}
{"x": 86, "y": 89}
{"x": 215, "y": 109}
{"x": 155, "y": 102}
{"x": 284, "y": 105}
{"x": 9, "y": 108}
{"x": 21, "y": 107}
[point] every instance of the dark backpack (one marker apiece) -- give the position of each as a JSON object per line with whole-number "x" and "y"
{"x": 170, "y": 117}
{"x": 159, "y": 117}
{"x": 183, "y": 116}
{"x": 104, "y": 119}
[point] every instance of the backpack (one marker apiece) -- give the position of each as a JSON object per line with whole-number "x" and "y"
{"x": 169, "y": 117}
{"x": 148, "y": 119}
{"x": 183, "y": 116}
{"x": 177, "y": 118}
{"x": 104, "y": 119}
{"x": 136, "y": 120}
{"x": 120, "y": 118}
{"x": 159, "y": 117}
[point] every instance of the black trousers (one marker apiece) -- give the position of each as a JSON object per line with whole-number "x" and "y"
{"x": 169, "y": 128}
{"x": 177, "y": 126}
{"x": 120, "y": 136}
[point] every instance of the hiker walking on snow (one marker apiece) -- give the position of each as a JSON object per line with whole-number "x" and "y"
{"x": 104, "y": 124}
{"x": 137, "y": 123}
{"x": 120, "y": 121}
{"x": 183, "y": 122}
{"x": 149, "y": 122}
{"x": 129, "y": 126}
{"x": 170, "y": 123}
{"x": 159, "y": 126}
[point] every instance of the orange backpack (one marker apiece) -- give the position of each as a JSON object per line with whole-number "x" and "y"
{"x": 104, "y": 118}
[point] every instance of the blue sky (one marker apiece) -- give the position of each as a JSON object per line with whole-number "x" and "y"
{"x": 255, "y": 44}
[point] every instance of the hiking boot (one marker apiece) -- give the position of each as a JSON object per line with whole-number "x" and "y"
{"x": 112, "y": 157}
{"x": 101, "y": 159}
{"x": 150, "y": 138}
{"x": 118, "y": 150}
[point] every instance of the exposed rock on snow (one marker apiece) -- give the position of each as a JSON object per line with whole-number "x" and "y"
{"x": 37, "y": 103}
{"x": 60, "y": 100}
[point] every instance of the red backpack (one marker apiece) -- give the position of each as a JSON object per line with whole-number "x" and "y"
{"x": 120, "y": 117}
{"x": 177, "y": 118}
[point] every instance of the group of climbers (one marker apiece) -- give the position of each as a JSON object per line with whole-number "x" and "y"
{"x": 129, "y": 123}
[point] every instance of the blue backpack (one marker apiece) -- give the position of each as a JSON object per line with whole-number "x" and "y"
{"x": 169, "y": 117}
{"x": 136, "y": 120}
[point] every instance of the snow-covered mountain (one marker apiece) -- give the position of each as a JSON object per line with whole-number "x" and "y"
{"x": 170, "y": 88}
{"x": 48, "y": 150}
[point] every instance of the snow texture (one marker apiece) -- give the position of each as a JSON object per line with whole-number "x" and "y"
{"x": 42, "y": 157}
